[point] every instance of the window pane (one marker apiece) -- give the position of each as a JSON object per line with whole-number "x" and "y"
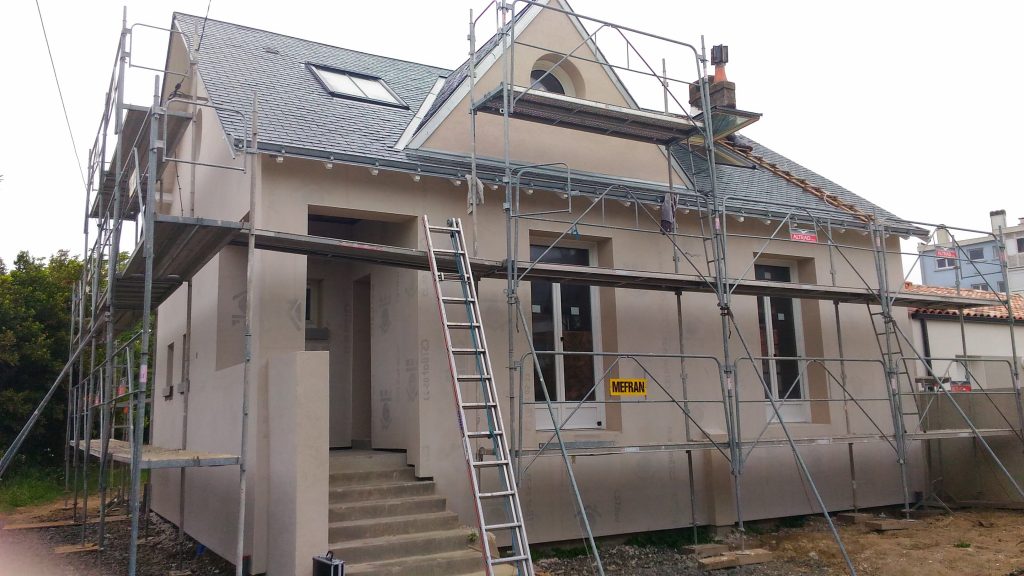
{"x": 976, "y": 253}
{"x": 543, "y": 321}
{"x": 340, "y": 83}
{"x": 785, "y": 378}
{"x": 374, "y": 89}
{"x": 561, "y": 255}
{"x": 1020, "y": 245}
{"x": 548, "y": 82}
{"x": 577, "y": 336}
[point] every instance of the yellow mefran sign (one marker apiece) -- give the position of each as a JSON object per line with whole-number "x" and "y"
{"x": 627, "y": 386}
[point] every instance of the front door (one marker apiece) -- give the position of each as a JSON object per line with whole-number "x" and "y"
{"x": 563, "y": 321}
{"x": 780, "y": 345}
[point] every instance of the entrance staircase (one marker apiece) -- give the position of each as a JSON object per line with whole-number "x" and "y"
{"x": 384, "y": 521}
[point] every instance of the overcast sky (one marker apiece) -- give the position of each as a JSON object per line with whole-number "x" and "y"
{"x": 913, "y": 105}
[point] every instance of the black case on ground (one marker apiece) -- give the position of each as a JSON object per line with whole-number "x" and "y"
{"x": 328, "y": 565}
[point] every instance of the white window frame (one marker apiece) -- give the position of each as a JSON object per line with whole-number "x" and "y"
{"x": 324, "y": 75}
{"x": 950, "y": 263}
{"x": 791, "y": 410}
{"x": 591, "y": 415}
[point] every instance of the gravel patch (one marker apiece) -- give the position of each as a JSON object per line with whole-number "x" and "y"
{"x": 159, "y": 552}
{"x": 624, "y": 560}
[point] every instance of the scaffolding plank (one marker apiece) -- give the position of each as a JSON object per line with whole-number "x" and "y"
{"x": 134, "y": 138}
{"x": 589, "y": 275}
{"x": 183, "y": 245}
{"x": 590, "y": 116}
{"x": 766, "y": 442}
{"x": 154, "y": 457}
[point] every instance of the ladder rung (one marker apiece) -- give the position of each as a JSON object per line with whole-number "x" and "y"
{"x": 443, "y": 229}
{"x": 505, "y": 526}
{"x": 459, "y": 299}
{"x": 509, "y": 559}
{"x": 484, "y": 434}
{"x": 446, "y": 251}
{"x": 467, "y": 351}
{"x": 478, "y": 405}
{"x": 473, "y": 377}
{"x": 450, "y": 277}
{"x": 500, "y": 494}
{"x": 464, "y": 325}
{"x": 490, "y": 463}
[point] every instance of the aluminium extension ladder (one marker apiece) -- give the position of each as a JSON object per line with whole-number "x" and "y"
{"x": 498, "y": 511}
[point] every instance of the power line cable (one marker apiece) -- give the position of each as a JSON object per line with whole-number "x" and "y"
{"x": 67, "y": 120}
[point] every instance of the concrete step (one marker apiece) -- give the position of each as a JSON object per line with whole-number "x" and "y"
{"x": 402, "y": 546}
{"x": 363, "y": 493}
{"x": 358, "y": 460}
{"x": 377, "y": 527}
{"x": 386, "y": 508}
{"x": 447, "y": 564}
{"x": 355, "y": 478}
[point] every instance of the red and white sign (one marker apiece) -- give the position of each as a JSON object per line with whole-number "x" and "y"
{"x": 945, "y": 253}
{"x": 960, "y": 387}
{"x": 803, "y": 235}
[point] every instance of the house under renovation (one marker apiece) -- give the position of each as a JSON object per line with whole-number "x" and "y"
{"x": 394, "y": 301}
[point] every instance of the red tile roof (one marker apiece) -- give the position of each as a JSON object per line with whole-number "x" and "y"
{"x": 996, "y": 311}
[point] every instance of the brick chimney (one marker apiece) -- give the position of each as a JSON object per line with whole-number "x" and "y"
{"x": 722, "y": 92}
{"x": 998, "y": 218}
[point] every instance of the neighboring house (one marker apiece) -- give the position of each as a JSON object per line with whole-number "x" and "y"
{"x": 969, "y": 358}
{"x": 356, "y": 147}
{"x": 973, "y": 263}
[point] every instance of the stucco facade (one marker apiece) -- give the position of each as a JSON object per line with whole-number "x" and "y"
{"x": 368, "y": 363}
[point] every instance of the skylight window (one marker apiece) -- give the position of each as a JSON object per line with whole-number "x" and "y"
{"x": 350, "y": 85}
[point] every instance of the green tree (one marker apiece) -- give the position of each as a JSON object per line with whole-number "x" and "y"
{"x": 35, "y": 297}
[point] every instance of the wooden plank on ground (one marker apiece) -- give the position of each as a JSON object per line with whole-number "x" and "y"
{"x": 854, "y": 518}
{"x": 705, "y": 550}
{"x": 75, "y": 548}
{"x": 737, "y": 558}
{"x": 990, "y": 504}
{"x": 59, "y": 523}
{"x": 887, "y": 524}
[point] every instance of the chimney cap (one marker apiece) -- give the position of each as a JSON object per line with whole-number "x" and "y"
{"x": 999, "y": 212}
{"x": 719, "y": 54}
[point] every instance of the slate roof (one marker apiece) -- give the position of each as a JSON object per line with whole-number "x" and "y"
{"x": 298, "y": 116}
{"x": 295, "y": 110}
{"x": 996, "y": 311}
{"x": 776, "y": 181}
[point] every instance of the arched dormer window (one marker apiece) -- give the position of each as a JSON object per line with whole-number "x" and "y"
{"x": 543, "y": 80}
{"x": 550, "y": 73}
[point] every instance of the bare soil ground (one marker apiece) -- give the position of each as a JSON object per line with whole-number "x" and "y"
{"x": 968, "y": 543}
{"x": 30, "y": 552}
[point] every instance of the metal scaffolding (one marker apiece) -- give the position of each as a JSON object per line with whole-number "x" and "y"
{"x": 109, "y": 369}
{"x": 107, "y": 375}
{"x": 898, "y": 355}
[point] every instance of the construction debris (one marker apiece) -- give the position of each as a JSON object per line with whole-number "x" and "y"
{"x": 704, "y": 550}
{"x": 59, "y": 523}
{"x": 75, "y": 548}
{"x": 737, "y": 558}
{"x": 850, "y": 518}
{"x": 887, "y": 524}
